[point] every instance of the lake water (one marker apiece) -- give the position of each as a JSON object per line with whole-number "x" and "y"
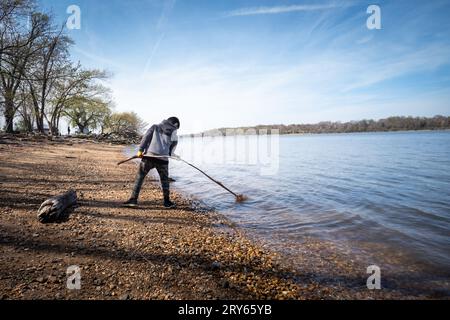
{"x": 391, "y": 190}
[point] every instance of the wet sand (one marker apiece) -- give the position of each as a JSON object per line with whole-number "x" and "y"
{"x": 145, "y": 253}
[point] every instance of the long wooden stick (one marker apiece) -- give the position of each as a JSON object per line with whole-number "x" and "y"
{"x": 239, "y": 197}
{"x": 212, "y": 179}
{"x": 129, "y": 159}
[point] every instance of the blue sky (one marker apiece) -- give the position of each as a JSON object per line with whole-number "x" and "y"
{"x": 234, "y": 63}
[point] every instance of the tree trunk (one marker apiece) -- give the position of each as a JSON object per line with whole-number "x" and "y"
{"x": 54, "y": 130}
{"x": 9, "y": 114}
{"x": 57, "y": 119}
{"x": 28, "y": 124}
{"x": 81, "y": 128}
{"x": 55, "y": 208}
{"x": 40, "y": 123}
{"x": 9, "y": 124}
{"x": 53, "y": 125}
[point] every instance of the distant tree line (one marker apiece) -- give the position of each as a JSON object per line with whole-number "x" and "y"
{"x": 388, "y": 124}
{"x": 40, "y": 84}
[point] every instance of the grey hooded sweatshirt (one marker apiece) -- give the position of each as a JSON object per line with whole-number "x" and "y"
{"x": 161, "y": 139}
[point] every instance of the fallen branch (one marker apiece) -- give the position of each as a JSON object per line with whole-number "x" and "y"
{"x": 53, "y": 209}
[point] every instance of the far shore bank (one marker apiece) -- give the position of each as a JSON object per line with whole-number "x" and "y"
{"x": 322, "y": 133}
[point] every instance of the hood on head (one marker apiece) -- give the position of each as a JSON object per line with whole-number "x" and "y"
{"x": 167, "y": 127}
{"x": 175, "y": 121}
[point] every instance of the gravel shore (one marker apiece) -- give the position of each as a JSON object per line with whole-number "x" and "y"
{"x": 124, "y": 253}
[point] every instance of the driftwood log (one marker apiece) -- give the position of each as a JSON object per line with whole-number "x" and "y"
{"x": 54, "y": 208}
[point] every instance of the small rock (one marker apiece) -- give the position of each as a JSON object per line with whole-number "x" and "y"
{"x": 40, "y": 279}
{"x": 216, "y": 265}
{"x": 58, "y": 296}
{"x": 35, "y": 235}
{"x": 225, "y": 284}
{"x": 125, "y": 296}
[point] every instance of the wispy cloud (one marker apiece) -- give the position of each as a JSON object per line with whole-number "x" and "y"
{"x": 167, "y": 9}
{"x": 283, "y": 9}
{"x": 426, "y": 59}
{"x": 162, "y": 22}
{"x": 100, "y": 61}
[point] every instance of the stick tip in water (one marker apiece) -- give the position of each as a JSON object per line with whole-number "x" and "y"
{"x": 241, "y": 198}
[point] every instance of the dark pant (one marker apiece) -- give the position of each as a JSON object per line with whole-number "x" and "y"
{"x": 145, "y": 166}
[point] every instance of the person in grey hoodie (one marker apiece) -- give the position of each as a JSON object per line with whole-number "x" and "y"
{"x": 160, "y": 140}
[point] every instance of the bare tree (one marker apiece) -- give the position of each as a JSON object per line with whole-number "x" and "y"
{"x": 50, "y": 64}
{"x": 87, "y": 114}
{"x": 11, "y": 9}
{"x": 18, "y": 43}
{"x": 75, "y": 85}
{"x": 38, "y": 81}
{"x": 127, "y": 124}
{"x": 25, "y": 109}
